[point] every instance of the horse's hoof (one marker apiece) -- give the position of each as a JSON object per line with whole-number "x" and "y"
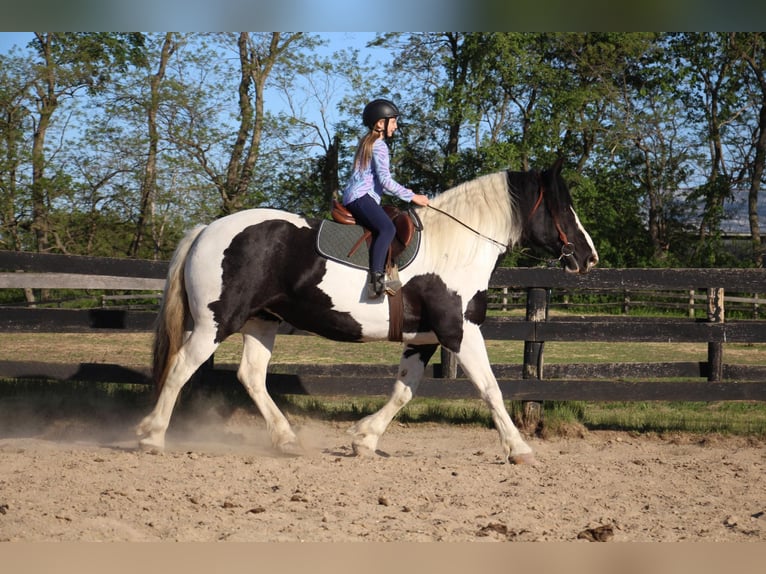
{"x": 150, "y": 447}
{"x": 292, "y": 448}
{"x": 362, "y": 450}
{"x": 527, "y": 458}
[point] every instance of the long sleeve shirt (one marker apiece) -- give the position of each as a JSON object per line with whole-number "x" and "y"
{"x": 376, "y": 179}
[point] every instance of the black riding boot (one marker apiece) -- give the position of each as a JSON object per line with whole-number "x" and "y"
{"x": 376, "y": 285}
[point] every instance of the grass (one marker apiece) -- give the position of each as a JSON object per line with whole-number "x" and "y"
{"x": 729, "y": 417}
{"x": 561, "y": 417}
{"x": 134, "y": 349}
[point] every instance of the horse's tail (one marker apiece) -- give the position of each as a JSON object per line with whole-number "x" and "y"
{"x": 174, "y": 310}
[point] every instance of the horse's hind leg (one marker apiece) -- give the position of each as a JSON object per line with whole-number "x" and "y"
{"x": 258, "y": 337}
{"x": 473, "y": 358}
{"x": 368, "y": 431}
{"x": 197, "y": 348}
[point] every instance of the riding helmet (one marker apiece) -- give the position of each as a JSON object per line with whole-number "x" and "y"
{"x": 378, "y": 109}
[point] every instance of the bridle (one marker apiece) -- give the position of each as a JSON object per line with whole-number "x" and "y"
{"x": 567, "y": 248}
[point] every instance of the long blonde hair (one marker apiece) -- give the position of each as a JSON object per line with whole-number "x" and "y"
{"x": 363, "y": 155}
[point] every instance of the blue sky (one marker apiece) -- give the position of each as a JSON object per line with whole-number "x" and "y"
{"x": 9, "y": 39}
{"x": 337, "y": 39}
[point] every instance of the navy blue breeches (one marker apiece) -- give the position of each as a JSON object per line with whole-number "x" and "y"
{"x": 370, "y": 214}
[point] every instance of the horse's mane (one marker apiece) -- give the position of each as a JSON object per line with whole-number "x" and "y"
{"x": 485, "y": 204}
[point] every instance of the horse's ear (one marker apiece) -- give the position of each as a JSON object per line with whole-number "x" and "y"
{"x": 558, "y": 165}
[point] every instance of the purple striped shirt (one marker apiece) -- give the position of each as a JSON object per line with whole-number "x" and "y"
{"x": 376, "y": 179}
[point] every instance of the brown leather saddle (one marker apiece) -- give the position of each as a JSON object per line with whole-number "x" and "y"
{"x": 407, "y": 225}
{"x": 403, "y": 221}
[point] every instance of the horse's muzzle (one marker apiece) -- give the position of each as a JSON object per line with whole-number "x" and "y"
{"x": 572, "y": 265}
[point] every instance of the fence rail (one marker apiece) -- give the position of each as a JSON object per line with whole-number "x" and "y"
{"x": 532, "y": 380}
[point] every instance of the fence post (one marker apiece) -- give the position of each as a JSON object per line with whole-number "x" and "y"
{"x": 715, "y": 314}
{"x": 537, "y": 312}
{"x": 691, "y": 303}
{"x": 449, "y": 364}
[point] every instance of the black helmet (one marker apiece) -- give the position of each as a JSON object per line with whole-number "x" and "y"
{"x": 378, "y": 109}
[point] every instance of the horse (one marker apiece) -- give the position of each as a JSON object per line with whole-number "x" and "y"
{"x": 248, "y": 271}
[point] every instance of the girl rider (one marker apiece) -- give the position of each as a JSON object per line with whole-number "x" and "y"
{"x": 370, "y": 179}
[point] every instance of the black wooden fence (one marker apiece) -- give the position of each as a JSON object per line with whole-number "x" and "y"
{"x": 532, "y": 380}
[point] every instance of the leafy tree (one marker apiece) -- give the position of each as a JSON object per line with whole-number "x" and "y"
{"x": 709, "y": 90}
{"x": 14, "y": 116}
{"x": 231, "y": 162}
{"x": 169, "y": 44}
{"x": 112, "y": 143}
{"x": 303, "y": 155}
{"x": 752, "y": 50}
{"x": 67, "y": 63}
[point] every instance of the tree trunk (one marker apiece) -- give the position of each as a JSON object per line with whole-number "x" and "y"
{"x": 755, "y": 184}
{"x": 149, "y": 183}
{"x": 330, "y": 183}
{"x": 754, "y": 55}
{"x": 255, "y": 69}
{"x": 48, "y": 102}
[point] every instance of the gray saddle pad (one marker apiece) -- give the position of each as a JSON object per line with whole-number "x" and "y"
{"x": 335, "y": 240}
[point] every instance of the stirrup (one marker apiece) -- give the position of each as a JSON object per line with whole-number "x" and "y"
{"x": 392, "y": 283}
{"x": 392, "y": 286}
{"x": 376, "y": 285}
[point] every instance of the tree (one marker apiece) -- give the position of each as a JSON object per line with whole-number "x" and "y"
{"x": 197, "y": 130}
{"x": 304, "y": 143}
{"x": 14, "y": 94}
{"x": 709, "y": 89}
{"x": 433, "y": 78}
{"x": 168, "y": 46}
{"x": 752, "y": 49}
{"x": 67, "y": 64}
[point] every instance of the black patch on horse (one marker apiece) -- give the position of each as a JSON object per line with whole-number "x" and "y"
{"x": 429, "y": 305}
{"x": 424, "y": 352}
{"x": 476, "y": 310}
{"x": 272, "y": 270}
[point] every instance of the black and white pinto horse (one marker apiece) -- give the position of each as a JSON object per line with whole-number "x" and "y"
{"x": 246, "y": 272}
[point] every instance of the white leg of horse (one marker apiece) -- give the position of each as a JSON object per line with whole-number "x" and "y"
{"x": 197, "y": 349}
{"x": 368, "y": 430}
{"x": 258, "y": 339}
{"x": 475, "y": 362}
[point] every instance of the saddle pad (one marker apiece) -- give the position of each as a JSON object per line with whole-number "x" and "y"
{"x": 335, "y": 240}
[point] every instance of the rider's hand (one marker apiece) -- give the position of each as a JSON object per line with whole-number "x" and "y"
{"x": 419, "y": 199}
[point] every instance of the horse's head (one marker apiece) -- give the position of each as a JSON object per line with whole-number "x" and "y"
{"x": 551, "y": 222}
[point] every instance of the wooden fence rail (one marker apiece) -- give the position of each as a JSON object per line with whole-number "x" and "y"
{"x": 532, "y": 380}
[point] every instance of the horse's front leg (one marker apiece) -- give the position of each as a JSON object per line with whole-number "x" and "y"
{"x": 473, "y": 358}
{"x": 368, "y": 431}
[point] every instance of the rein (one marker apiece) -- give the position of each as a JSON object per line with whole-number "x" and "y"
{"x": 456, "y": 220}
{"x": 567, "y": 249}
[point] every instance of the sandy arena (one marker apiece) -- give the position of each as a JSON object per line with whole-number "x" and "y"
{"x": 73, "y": 479}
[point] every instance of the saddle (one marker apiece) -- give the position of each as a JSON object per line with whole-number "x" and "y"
{"x": 407, "y": 224}
{"x": 405, "y": 227}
